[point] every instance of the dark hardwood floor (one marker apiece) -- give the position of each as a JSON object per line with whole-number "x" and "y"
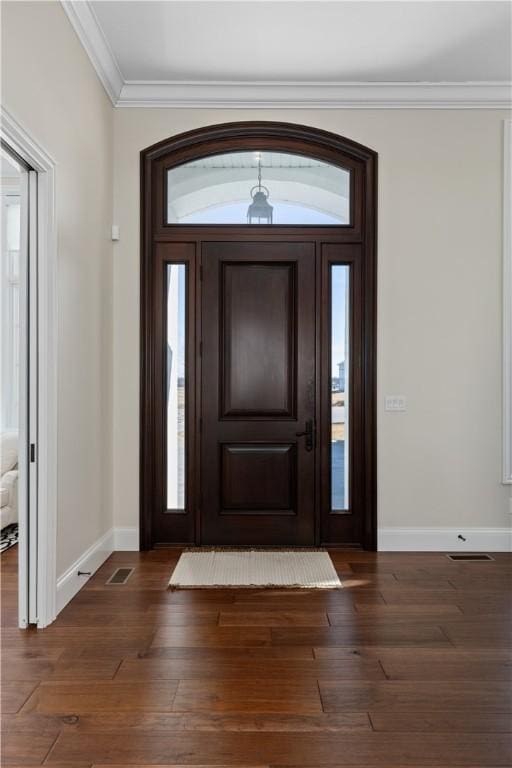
{"x": 409, "y": 665}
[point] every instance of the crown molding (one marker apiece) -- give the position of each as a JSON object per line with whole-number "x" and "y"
{"x": 267, "y": 95}
{"x": 87, "y": 27}
{"x": 293, "y": 95}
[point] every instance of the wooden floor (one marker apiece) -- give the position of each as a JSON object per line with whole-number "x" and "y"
{"x": 409, "y": 665}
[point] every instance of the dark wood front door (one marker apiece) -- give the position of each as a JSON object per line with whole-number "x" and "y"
{"x": 258, "y": 393}
{"x": 258, "y": 355}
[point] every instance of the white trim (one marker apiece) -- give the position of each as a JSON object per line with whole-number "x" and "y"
{"x": 24, "y": 587}
{"x": 85, "y": 23}
{"x": 444, "y": 540}
{"x": 70, "y": 582}
{"x": 28, "y": 148}
{"x": 265, "y": 95}
{"x": 32, "y": 401}
{"x": 296, "y": 95}
{"x": 126, "y": 539}
{"x": 507, "y": 301}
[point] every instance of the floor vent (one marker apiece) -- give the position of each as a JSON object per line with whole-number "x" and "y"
{"x": 120, "y": 576}
{"x": 469, "y": 557}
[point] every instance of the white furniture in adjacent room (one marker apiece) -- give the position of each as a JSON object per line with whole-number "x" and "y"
{"x": 8, "y": 478}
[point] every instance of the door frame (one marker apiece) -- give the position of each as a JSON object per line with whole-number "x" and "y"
{"x": 247, "y": 136}
{"x": 41, "y": 581}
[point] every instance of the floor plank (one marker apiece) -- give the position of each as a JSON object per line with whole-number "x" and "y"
{"x": 243, "y": 618}
{"x": 250, "y": 654}
{"x": 211, "y": 637}
{"x": 286, "y": 749}
{"x": 168, "y": 617}
{"x": 155, "y": 722}
{"x": 424, "y": 655}
{"x": 422, "y": 695}
{"x": 75, "y": 669}
{"x": 479, "y": 633}
{"x": 351, "y": 634}
{"x": 443, "y": 721}
{"x": 78, "y": 698}
{"x": 351, "y": 668}
{"x": 253, "y": 696}
{"x": 33, "y": 724}
{"x": 428, "y": 612}
{"x": 447, "y": 669}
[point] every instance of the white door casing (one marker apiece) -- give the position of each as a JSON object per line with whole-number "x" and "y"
{"x": 42, "y": 609}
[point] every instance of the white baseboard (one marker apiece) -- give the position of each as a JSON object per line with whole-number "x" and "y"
{"x": 126, "y": 539}
{"x": 444, "y": 540}
{"x": 116, "y": 539}
{"x": 393, "y": 539}
{"x": 70, "y": 582}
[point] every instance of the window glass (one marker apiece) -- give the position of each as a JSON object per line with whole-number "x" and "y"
{"x": 340, "y": 374}
{"x": 258, "y": 188}
{"x": 176, "y": 281}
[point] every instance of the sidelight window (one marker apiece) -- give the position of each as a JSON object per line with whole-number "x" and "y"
{"x": 175, "y": 386}
{"x": 339, "y": 388}
{"x": 258, "y": 188}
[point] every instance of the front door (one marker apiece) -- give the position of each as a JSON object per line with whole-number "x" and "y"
{"x": 258, "y": 336}
{"x": 258, "y": 393}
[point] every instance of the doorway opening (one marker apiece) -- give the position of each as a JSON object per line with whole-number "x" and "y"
{"x": 258, "y": 313}
{"x": 28, "y": 400}
{"x": 18, "y": 400}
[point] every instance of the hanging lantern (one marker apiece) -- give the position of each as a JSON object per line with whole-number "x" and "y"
{"x": 260, "y": 211}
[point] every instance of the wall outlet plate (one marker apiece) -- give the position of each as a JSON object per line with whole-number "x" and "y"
{"x": 395, "y": 403}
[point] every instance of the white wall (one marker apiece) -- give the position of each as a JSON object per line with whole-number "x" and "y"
{"x": 51, "y": 89}
{"x": 440, "y": 182}
{"x": 440, "y": 187}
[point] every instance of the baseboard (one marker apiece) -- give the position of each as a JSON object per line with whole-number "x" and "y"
{"x": 126, "y": 539}
{"x": 389, "y": 540}
{"x": 444, "y": 540}
{"x": 70, "y": 582}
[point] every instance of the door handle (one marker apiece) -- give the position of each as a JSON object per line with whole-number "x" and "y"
{"x": 309, "y": 434}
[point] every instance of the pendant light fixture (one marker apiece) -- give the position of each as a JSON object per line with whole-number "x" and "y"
{"x": 260, "y": 211}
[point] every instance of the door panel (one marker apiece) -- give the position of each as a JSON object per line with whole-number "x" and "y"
{"x": 258, "y": 306}
{"x": 258, "y": 384}
{"x": 258, "y": 478}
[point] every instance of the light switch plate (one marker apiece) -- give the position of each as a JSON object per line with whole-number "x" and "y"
{"x": 395, "y": 403}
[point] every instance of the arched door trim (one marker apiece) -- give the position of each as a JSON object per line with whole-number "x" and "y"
{"x": 244, "y": 136}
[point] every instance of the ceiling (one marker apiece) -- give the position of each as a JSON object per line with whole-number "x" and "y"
{"x": 275, "y": 52}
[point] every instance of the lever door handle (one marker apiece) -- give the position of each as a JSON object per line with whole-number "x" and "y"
{"x": 309, "y": 434}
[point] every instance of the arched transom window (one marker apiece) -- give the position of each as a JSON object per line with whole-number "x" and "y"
{"x": 258, "y": 188}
